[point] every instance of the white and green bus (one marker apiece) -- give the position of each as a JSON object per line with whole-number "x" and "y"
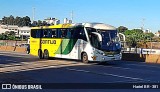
{"x": 81, "y": 41}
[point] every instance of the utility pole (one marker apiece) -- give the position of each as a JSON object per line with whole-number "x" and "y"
{"x": 72, "y": 16}
{"x": 143, "y": 19}
{"x": 33, "y": 16}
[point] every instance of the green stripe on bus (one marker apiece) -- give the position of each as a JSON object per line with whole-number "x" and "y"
{"x": 70, "y": 46}
{"x": 66, "y": 46}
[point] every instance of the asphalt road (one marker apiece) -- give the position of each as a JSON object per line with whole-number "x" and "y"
{"x": 24, "y": 68}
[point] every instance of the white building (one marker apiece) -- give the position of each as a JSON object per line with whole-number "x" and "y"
{"x": 147, "y": 31}
{"x": 50, "y": 20}
{"x": 13, "y": 28}
{"x": 24, "y": 31}
{"x": 4, "y": 28}
{"x": 19, "y": 31}
{"x": 157, "y": 34}
{"x": 67, "y": 21}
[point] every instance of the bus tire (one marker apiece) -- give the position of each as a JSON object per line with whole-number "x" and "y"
{"x": 40, "y": 55}
{"x": 46, "y": 54}
{"x": 84, "y": 58}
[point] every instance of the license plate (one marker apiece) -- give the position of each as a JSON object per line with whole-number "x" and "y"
{"x": 110, "y": 55}
{"x": 112, "y": 58}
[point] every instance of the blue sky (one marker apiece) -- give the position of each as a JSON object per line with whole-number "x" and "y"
{"x": 127, "y": 13}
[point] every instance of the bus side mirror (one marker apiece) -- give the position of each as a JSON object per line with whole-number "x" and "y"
{"x": 100, "y": 38}
{"x": 98, "y": 35}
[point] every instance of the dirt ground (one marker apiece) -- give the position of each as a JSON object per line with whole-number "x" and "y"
{"x": 13, "y": 48}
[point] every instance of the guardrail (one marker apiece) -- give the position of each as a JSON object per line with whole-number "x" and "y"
{"x": 141, "y": 55}
{"x": 141, "y": 51}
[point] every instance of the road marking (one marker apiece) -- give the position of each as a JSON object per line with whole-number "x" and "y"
{"x": 107, "y": 74}
{"x": 16, "y": 55}
{"x": 26, "y": 66}
{"x": 131, "y": 69}
{"x": 10, "y": 60}
{"x": 128, "y": 81}
{"x": 126, "y": 77}
{"x": 115, "y": 67}
{"x": 144, "y": 65}
{"x": 12, "y": 52}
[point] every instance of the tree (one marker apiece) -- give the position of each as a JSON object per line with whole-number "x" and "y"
{"x": 44, "y": 23}
{"x": 149, "y": 34}
{"x": 11, "y": 20}
{"x": 20, "y": 21}
{"x": 12, "y": 33}
{"x": 39, "y": 23}
{"x": 0, "y": 21}
{"x": 122, "y": 29}
{"x": 133, "y": 37}
{"x": 2, "y": 36}
{"x": 11, "y": 37}
{"x": 4, "y": 20}
{"x": 28, "y": 21}
{"x": 34, "y": 23}
{"x": 6, "y": 33}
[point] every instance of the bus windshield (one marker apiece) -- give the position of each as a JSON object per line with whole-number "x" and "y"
{"x": 110, "y": 40}
{"x": 108, "y": 36}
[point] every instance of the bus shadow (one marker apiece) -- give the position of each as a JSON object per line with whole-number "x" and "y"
{"x": 53, "y": 58}
{"x": 13, "y": 59}
{"x": 90, "y": 62}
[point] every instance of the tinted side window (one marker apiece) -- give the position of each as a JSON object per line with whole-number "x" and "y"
{"x": 47, "y": 33}
{"x": 83, "y": 35}
{"x": 69, "y": 33}
{"x": 54, "y": 33}
{"x": 79, "y": 33}
{"x": 36, "y": 33}
{"x": 39, "y": 33}
{"x": 33, "y": 33}
{"x": 64, "y": 33}
{"x": 90, "y": 30}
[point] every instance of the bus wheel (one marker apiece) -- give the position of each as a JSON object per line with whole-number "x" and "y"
{"x": 84, "y": 58}
{"x": 40, "y": 55}
{"x": 46, "y": 54}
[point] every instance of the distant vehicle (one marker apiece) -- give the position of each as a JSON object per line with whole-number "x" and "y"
{"x": 28, "y": 40}
{"x": 81, "y": 41}
{"x": 27, "y": 46}
{"x": 28, "y": 49}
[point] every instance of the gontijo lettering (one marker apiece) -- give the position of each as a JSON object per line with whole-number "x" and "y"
{"x": 48, "y": 41}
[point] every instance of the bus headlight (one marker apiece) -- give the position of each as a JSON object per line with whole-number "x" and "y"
{"x": 94, "y": 57}
{"x": 93, "y": 49}
{"x": 103, "y": 58}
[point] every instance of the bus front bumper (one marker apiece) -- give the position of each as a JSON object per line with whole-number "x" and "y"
{"x": 111, "y": 57}
{"x": 103, "y": 58}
